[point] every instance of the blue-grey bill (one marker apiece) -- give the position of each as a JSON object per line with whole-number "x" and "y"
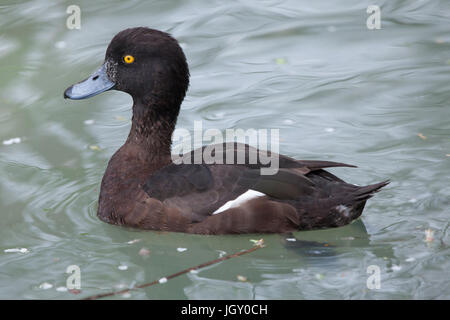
{"x": 97, "y": 82}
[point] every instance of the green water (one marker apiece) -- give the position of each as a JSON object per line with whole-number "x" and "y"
{"x": 337, "y": 91}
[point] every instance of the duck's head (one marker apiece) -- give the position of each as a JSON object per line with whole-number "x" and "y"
{"x": 147, "y": 64}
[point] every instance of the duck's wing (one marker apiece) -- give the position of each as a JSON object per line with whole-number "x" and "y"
{"x": 198, "y": 190}
{"x": 240, "y": 153}
{"x": 179, "y": 180}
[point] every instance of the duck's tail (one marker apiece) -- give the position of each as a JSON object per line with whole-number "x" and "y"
{"x": 360, "y": 195}
{"x": 366, "y": 192}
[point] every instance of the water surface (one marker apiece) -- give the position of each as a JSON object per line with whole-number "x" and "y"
{"x": 378, "y": 99}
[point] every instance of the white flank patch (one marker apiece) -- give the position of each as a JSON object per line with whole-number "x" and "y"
{"x": 343, "y": 209}
{"x": 246, "y": 196}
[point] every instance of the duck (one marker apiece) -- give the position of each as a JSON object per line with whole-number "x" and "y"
{"x": 143, "y": 188}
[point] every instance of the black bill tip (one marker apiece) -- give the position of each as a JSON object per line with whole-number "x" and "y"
{"x": 97, "y": 83}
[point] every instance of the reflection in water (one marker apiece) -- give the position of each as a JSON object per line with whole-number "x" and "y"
{"x": 323, "y": 253}
{"x": 260, "y": 268}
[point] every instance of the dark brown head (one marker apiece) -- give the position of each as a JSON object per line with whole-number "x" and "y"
{"x": 147, "y": 64}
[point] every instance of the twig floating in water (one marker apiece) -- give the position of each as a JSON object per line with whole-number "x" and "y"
{"x": 259, "y": 244}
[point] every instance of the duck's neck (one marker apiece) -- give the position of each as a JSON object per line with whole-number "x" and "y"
{"x": 152, "y": 126}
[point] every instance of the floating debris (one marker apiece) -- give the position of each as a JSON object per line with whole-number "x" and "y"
{"x": 61, "y": 289}
{"x": 421, "y": 136}
{"x": 12, "y": 141}
{"x": 319, "y": 276}
{"x": 259, "y": 243}
{"x": 126, "y": 295}
{"x": 120, "y": 118}
{"x": 144, "y": 252}
{"x": 288, "y": 121}
{"x": 291, "y": 239}
{"x": 20, "y": 250}
{"x": 45, "y": 286}
{"x": 396, "y": 268}
{"x": 162, "y": 280}
{"x": 134, "y": 241}
{"x": 412, "y": 200}
{"x": 280, "y": 61}
{"x": 60, "y": 44}
{"x": 411, "y": 259}
{"x": 122, "y": 267}
{"x": 120, "y": 286}
{"x": 95, "y": 148}
{"x": 181, "y": 249}
{"x": 89, "y": 122}
{"x": 329, "y": 130}
{"x": 348, "y": 238}
{"x": 194, "y": 271}
{"x": 429, "y": 235}
{"x": 221, "y": 253}
{"x": 241, "y": 278}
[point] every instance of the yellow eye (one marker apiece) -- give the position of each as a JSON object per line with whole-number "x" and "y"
{"x": 128, "y": 59}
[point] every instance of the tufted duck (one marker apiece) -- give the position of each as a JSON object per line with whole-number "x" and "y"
{"x": 143, "y": 188}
